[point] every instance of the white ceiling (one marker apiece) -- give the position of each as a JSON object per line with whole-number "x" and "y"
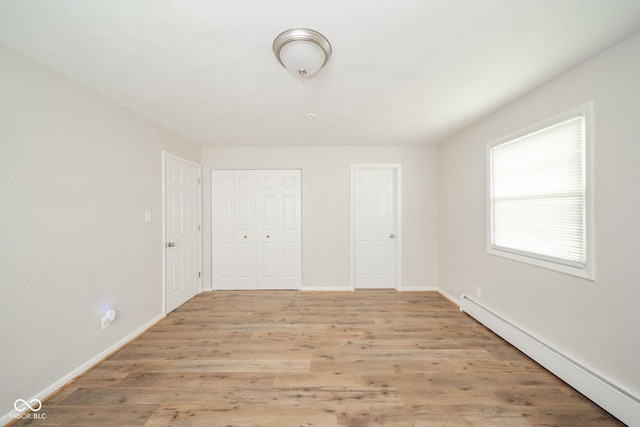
{"x": 402, "y": 72}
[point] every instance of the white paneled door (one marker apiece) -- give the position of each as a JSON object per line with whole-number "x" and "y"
{"x": 234, "y": 229}
{"x": 182, "y": 231}
{"x": 375, "y": 226}
{"x": 256, "y": 229}
{"x": 279, "y": 211}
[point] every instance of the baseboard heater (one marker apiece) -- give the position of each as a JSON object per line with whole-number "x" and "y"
{"x": 621, "y": 403}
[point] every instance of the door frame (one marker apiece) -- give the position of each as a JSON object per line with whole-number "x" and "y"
{"x": 166, "y": 155}
{"x": 398, "y": 187}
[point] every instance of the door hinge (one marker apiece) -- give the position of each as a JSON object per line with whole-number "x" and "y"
{"x": 198, "y": 228}
{"x": 199, "y": 274}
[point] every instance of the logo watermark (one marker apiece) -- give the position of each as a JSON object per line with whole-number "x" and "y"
{"x": 34, "y": 405}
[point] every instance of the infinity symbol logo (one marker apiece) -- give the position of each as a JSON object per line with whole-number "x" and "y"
{"x": 37, "y": 405}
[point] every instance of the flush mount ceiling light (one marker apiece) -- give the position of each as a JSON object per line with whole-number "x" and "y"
{"x": 301, "y": 51}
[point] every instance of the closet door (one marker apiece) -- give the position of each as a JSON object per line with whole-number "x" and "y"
{"x": 279, "y": 217}
{"x": 233, "y": 229}
{"x": 256, "y": 229}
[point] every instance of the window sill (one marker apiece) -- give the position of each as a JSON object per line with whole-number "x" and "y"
{"x": 582, "y": 272}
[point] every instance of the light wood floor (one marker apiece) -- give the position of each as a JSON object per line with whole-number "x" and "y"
{"x": 284, "y": 358}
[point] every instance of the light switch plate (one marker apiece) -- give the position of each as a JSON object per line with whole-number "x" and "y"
{"x": 147, "y": 215}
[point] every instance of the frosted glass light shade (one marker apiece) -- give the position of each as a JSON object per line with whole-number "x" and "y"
{"x": 302, "y": 58}
{"x": 301, "y": 51}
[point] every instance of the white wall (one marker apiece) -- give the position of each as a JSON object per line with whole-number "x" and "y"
{"x": 595, "y": 323}
{"x": 326, "y": 205}
{"x": 76, "y": 173}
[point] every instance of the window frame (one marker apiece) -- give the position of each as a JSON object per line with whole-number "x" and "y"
{"x": 585, "y": 271}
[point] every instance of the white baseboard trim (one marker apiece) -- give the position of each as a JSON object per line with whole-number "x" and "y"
{"x": 411, "y": 288}
{"x": 348, "y": 288}
{"x": 303, "y": 289}
{"x": 326, "y": 288}
{"x": 615, "y": 399}
{"x": 449, "y": 297}
{"x": 43, "y": 394}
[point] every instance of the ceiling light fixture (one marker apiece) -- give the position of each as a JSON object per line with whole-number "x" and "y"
{"x": 301, "y": 51}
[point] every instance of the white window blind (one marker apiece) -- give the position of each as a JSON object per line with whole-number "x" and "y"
{"x": 538, "y": 194}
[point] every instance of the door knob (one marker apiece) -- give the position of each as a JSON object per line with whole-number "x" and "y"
{"x": 392, "y": 235}
{"x": 170, "y": 244}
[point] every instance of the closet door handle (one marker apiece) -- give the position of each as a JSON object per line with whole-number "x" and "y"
{"x": 170, "y": 244}
{"x": 267, "y": 236}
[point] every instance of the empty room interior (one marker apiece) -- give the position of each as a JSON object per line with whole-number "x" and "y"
{"x": 320, "y": 213}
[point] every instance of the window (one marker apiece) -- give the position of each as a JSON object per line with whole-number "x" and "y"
{"x": 539, "y": 194}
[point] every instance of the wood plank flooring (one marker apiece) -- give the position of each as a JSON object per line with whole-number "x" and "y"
{"x": 285, "y": 358}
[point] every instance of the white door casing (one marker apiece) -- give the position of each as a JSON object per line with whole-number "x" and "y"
{"x": 376, "y": 226}
{"x": 182, "y": 240}
{"x": 256, "y": 229}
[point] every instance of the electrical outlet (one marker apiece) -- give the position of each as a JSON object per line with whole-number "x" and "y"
{"x": 105, "y": 322}
{"x": 108, "y": 317}
{"x": 478, "y": 291}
